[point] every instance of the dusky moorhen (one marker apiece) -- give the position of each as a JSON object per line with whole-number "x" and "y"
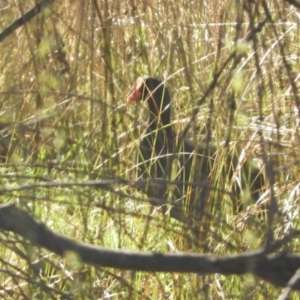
{"x": 160, "y": 154}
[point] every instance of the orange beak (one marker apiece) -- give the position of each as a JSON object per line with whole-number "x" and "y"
{"x": 136, "y": 94}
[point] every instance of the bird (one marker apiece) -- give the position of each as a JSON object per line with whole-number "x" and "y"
{"x": 165, "y": 155}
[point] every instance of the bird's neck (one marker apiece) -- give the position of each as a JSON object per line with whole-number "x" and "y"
{"x": 160, "y": 111}
{"x": 160, "y": 120}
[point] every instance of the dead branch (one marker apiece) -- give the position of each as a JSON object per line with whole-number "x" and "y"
{"x": 277, "y": 269}
{"x": 25, "y": 18}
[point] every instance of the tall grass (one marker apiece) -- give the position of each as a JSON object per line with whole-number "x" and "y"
{"x": 63, "y": 83}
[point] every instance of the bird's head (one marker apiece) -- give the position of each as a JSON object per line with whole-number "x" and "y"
{"x": 152, "y": 90}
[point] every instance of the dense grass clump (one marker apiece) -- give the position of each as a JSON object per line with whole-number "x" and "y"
{"x": 232, "y": 71}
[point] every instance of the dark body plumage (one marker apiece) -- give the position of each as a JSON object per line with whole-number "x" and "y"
{"x": 164, "y": 154}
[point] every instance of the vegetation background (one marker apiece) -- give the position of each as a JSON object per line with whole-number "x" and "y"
{"x": 63, "y": 118}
